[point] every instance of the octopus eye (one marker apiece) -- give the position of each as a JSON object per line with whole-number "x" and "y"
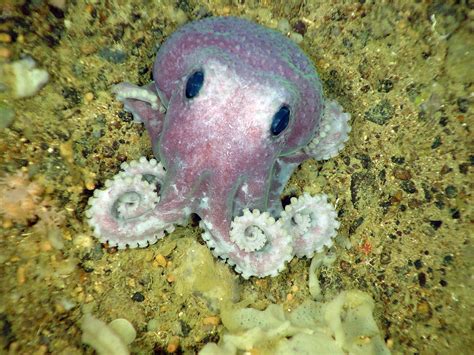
{"x": 194, "y": 84}
{"x": 280, "y": 120}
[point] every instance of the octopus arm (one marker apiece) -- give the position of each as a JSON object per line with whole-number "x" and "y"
{"x": 333, "y": 133}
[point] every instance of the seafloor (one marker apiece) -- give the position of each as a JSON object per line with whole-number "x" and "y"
{"x": 402, "y": 185}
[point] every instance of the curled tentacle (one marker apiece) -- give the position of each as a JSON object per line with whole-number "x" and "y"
{"x": 259, "y": 246}
{"x": 123, "y": 214}
{"x": 249, "y": 235}
{"x": 151, "y": 170}
{"x": 312, "y": 222}
{"x": 333, "y": 133}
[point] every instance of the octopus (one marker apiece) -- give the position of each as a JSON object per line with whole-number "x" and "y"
{"x": 233, "y": 109}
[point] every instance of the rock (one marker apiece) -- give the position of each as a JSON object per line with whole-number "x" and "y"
{"x": 380, "y": 113}
{"x": 24, "y": 78}
{"x": 113, "y": 56}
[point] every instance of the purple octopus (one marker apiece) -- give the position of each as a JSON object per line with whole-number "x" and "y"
{"x": 233, "y": 110}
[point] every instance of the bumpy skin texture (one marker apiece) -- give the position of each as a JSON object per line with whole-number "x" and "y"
{"x": 219, "y": 155}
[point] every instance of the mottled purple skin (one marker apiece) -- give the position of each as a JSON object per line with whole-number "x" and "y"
{"x": 217, "y": 148}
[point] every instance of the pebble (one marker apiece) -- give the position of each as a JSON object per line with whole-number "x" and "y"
{"x": 463, "y": 104}
{"x": 448, "y": 259}
{"x": 397, "y": 160}
{"x": 418, "y": 264}
{"x": 212, "y": 320}
{"x": 451, "y": 191}
{"x": 300, "y": 27}
{"x": 160, "y": 260}
{"x": 436, "y": 224}
{"x": 5, "y": 38}
{"x": 422, "y": 279}
{"x": 88, "y": 48}
{"x": 380, "y": 113}
{"x": 116, "y": 56}
{"x": 88, "y": 97}
{"x": 455, "y": 214}
{"x": 89, "y": 185}
{"x": 21, "y": 275}
{"x": 423, "y": 310}
{"x": 173, "y": 344}
{"x": 408, "y": 186}
{"x": 138, "y": 297}
{"x": 5, "y": 53}
{"x": 402, "y": 174}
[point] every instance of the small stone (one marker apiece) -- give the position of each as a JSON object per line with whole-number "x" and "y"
{"x": 402, "y": 174}
{"x": 408, "y": 186}
{"x": 185, "y": 328}
{"x": 464, "y": 168}
{"x": 397, "y": 160}
{"x": 448, "y": 259}
{"x": 299, "y": 27}
{"x": 138, "y": 297}
{"x": 445, "y": 169}
{"x": 455, "y": 214}
{"x": 88, "y": 48}
{"x": 88, "y": 97}
{"x": 46, "y": 246}
{"x": 160, "y": 260}
{"x": 423, "y": 310}
{"x": 28, "y": 79}
{"x": 113, "y": 56}
{"x": 443, "y": 121}
{"x": 364, "y": 160}
{"x": 380, "y": 113}
{"x": 436, "y": 142}
{"x": 418, "y": 264}
{"x": 436, "y": 224}
{"x": 5, "y": 53}
{"x": 212, "y": 320}
{"x": 346, "y": 266}
{"x": 385, "y": 85}
{"x": 422, "y": 279}
{"x": 89, "y": 184}
{"x": 451, "y": 191}
{"x": 463, "y": 104}
{"x": 396, "y": 197}
{"x": 21, "y": 275}
{"x": 173, "y": 345}
{"x": 5, "y": 37}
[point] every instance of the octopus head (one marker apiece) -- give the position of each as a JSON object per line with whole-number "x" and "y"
{"x": 224, "y": 116}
